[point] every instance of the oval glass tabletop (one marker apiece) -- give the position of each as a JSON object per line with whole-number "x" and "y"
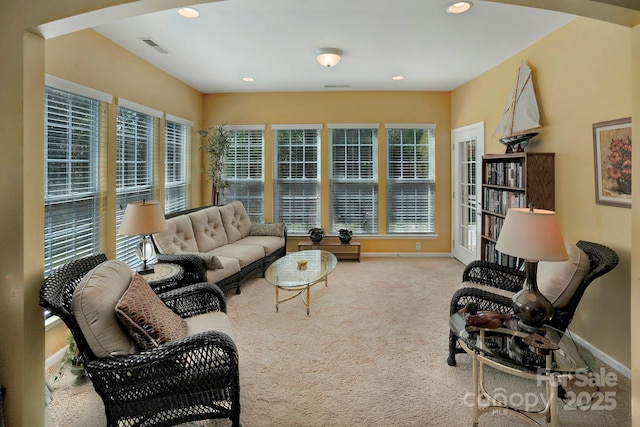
{"x": 510, "y": 347}
{"x": 300, "y": 269}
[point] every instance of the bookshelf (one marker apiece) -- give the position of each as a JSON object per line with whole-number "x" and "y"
{"x": 512, "y": 180}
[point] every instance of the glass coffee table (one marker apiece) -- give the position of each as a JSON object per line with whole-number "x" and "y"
{"x": 548, "y": 359}
{"x": 298, "y": 272}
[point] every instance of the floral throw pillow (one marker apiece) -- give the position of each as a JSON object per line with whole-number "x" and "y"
{"x": 147, "y": 319}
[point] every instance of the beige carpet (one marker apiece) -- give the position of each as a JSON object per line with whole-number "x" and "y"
{"x": 372, "y": 353}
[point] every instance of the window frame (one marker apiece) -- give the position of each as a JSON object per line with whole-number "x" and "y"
{"x": 414, "y": 177}
{"x": 177, "y": 171}
{"x": 359, "y": 193}
{"x": 299, "y": 193}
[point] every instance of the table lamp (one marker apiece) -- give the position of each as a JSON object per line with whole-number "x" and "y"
{"x": 533, "y": 235}
{"x": 143, "y": 219}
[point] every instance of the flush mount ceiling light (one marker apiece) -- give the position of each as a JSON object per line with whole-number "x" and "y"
{"x": 459, "y": 7}
{"x": 188, "y": 12}
{"x": 328, "y": 56}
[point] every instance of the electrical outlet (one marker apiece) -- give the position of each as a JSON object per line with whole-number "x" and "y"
{"x": 418, "y": 246}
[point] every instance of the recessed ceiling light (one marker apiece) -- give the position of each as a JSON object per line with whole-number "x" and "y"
{"x": 459, "y": 7}
{"x": 188, "y": 12}
{"x": 247, "y": 79}
{"x": 397, "y": 78}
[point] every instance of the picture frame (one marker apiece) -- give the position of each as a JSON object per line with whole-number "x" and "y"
{"x": 612, "y": 162}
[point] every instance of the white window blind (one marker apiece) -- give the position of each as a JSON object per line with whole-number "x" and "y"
{"x": 354, "y": 179}
{"x": 297, "y": 177}
{"x": 175, "y": 159}
{"x": 243, "y": 169}
{"x": 74, "y": 198}
{"x": 135, "y": 136}
{"x": 410, "y": 179}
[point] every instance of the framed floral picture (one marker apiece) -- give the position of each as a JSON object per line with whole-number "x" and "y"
{"x": 612, "y": 158}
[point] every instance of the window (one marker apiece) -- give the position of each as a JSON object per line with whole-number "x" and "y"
{"x": 297, "y": 176}
{"x": 243, "y": 169}
{"x": 74, "y": 199}
{"x": 411, "y": 178}
{"x": 176, "y": 135}
{"x": 135, "y": 137}
{"x": 354, "y": 180}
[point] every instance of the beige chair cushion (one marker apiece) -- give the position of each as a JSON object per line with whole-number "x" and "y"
{"x": 212, "y": 321}
{"x": 208, "y": 229}
{"x": 149, "y": 321}
{"x": 244, "y": 253}
{"x": 237, "y": 223}
{"x": 93, "y": 306}
{"x": 558, "y": 281}
{"x": 178, "y": 237}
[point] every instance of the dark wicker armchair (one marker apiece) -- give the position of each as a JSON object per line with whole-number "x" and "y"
{"x": 194, "y": 378}
{"x": 508, "y": 281}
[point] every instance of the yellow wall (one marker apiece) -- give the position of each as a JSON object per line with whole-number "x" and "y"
{"x": 635, "y": 251}
{"x": 21, "y": 80}
{"x": 582, "y": 75}
{"x": 349, "y": 107}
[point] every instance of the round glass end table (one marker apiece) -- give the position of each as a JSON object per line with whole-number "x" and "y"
{"x": 547, "y": 358}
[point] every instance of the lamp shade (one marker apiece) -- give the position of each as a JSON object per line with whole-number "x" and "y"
{"x": 532, "y": 234}
{"x": 328, "y": 56}
{"x": 142, "y": 218}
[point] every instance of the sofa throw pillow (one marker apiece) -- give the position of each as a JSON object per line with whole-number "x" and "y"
{"x": 147, "y": 319}
{"x": 558, "y": 281}
{"x": 275, "y": 229}
{"x": 210, "y": 260}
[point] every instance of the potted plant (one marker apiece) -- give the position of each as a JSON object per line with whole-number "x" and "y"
{"x": 72, "y": 359}
{"x": 316, "y": 234}
{"x": 217, "y": 139}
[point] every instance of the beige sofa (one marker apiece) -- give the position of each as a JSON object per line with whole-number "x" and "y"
{"x": 219, "y": 244}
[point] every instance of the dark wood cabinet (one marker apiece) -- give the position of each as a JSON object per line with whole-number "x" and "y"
{"x": 512, "y": 180}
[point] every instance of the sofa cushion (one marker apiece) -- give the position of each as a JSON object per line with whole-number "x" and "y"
{"x": 275, "y": 229}
{"x": 149, "y": 321}
{"x": 208, "y": 229}
{"x": 245, "y": 254}
{"x": 558, "y": 281}
{"x": 230, "y": 266}
{"x": 237, "y": 223}
{"x": 210, "y": 260}
{"x": 269, "y": 243}
{"x": 178, "y": 237}
{"x": 93, "y": 305}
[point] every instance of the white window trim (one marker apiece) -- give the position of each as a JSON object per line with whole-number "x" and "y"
{"x": 410, "y": 126}
{"x": 77, "y": 89}
{"x": 246, "y": 127}
{"x": 179, "y": 120}
{"x": 353, "y": 126}
{"x": 308, "y": 126}
{"x": 125, "y": 103}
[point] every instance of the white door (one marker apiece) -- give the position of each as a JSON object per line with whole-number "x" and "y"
{"x": 468, "y": 147}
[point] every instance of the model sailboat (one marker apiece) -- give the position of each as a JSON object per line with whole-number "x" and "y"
{"x": 521, "y": 115}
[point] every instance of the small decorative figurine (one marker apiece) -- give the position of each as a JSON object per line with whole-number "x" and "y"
{"x": 345, "y": 235}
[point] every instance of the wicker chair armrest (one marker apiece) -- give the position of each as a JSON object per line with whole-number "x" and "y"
{"x": 196, "y": 299}
{"x": 193, "y": 363}
{"x": 494, "y": 275}
{"x": 195, "y": 269}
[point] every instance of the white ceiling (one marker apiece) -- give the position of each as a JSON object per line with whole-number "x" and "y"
{"x": 274, "y": 41}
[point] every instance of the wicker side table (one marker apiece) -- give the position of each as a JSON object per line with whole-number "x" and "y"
{"x": 166, "y": 277}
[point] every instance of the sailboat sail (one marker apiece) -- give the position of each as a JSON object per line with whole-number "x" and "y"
{"x": 521, "y": 113}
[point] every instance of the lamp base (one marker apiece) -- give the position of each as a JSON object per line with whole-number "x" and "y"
{"x": 531, "y": 308}
{"x": 144, "y": 271}
{"x": 531, "y": 329}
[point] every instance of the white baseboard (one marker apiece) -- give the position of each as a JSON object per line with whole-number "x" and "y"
{"x": 406, "y": 254}
{"x": 53, "y": 362}
{"x": 622, "y": 369}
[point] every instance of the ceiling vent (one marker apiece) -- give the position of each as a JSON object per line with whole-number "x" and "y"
{"x": 341, "y": 86}
{"x": 150, "y": 42}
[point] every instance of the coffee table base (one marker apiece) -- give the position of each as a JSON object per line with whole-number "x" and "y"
{"x": 305, "y": 291}
{"x": 549, "y": 412}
